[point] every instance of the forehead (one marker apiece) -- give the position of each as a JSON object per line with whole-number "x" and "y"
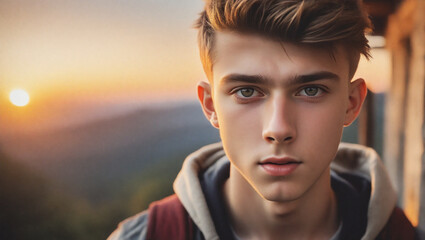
{"x": 236, "y": 53}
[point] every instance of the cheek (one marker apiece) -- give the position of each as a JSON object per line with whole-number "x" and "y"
{"x": 236, "y": 122}
{"x": 324, "y": 127}
{"x": 239, "y": 127}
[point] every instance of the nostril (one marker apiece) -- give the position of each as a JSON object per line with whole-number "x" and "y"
{"x": 271, "y": 139}
{"x": 288, "y": 139}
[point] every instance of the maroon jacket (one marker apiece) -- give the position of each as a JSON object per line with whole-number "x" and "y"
{"x": 398, "y": 227}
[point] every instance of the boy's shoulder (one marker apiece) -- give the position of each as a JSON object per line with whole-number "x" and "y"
{"x": 168, "y": 219}
{"x": 133, "y": 228}
{"x": 165, "y": 219}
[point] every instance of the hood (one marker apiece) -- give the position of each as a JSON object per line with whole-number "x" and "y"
{"x": 350, "y": 158}
{"x": 365, "y": 162}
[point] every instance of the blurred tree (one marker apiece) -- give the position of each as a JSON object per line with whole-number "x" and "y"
{"x": 34, "y": 207}
{"x": 30, "y": 209}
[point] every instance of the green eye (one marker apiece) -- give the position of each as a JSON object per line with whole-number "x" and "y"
{"x": 311, "y": 91}
{"x": 246, "y": 92}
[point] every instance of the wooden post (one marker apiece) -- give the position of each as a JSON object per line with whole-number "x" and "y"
{"x": 405, "y": 149}
{"x": 366, "y": 121}
{"x": 419, "y": 68}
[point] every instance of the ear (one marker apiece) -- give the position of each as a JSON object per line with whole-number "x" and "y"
{"x": 205, "y": 98}
{"x": 356, "y": 96}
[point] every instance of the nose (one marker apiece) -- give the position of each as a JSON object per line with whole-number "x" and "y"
{"x": 279, "y": 121}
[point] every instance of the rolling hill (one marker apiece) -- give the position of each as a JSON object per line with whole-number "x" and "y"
{"x": 97, "y": 158}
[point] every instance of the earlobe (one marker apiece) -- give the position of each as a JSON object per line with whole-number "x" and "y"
{"x": 207, "y": 104}
{"x": 214, "y": 120}
{"x": 357, "y": 94}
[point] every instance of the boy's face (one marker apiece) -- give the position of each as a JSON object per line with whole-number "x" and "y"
{"x": 280, "y": 109}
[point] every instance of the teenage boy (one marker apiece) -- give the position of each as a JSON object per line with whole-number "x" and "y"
{"x": 280, "y": 91}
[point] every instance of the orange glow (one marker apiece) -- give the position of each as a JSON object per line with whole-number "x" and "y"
{"x": 412, "y": 214}
{"x": 376, "y": 71}
{"x": 93, "y": 50}
{"x": 19, "y": 97}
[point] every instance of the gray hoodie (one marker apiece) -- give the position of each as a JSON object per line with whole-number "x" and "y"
{"x": 351, "y": 158}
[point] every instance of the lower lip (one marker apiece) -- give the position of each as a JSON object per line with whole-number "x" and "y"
{"x": 280, "y": 170}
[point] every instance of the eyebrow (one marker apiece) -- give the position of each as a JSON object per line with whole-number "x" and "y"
{"x": 260, "y": 79}
{"x": 322, "y": 75}
{"x": 235, "y": 77}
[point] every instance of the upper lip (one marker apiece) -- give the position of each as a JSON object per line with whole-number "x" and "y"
{"x": 279, "y": 160}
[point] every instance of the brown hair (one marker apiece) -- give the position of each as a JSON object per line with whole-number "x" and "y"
{"x": 316, "y": 22}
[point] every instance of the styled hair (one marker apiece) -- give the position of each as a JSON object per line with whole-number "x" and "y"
{"x": 324, "y": 23}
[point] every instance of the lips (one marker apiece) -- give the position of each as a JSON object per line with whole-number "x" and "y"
{"x": 279, "y": 166}
{"x": 279, "y": 161}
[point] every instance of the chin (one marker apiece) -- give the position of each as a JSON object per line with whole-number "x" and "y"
{"x": 281, "y": 199}
{"x": 281, "y": 195}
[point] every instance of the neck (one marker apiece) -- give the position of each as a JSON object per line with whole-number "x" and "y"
{"x": 312, "y": 216}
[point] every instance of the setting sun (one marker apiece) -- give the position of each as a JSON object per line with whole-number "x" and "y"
{"x": 19, "y": 97}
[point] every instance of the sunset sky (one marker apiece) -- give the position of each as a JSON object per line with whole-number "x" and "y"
{"x": 78, "y": 52}
{"x": 71, "y": 55}
{"x": 111, "y": 47}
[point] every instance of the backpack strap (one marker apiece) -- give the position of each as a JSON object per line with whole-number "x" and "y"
{"x": 168, "y": 219}
{"x": 398, "y": 227}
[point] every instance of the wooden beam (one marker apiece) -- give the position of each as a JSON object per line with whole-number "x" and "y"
{"x": 366, "y": 121}
{"x": 406, "y": 34}
{"x": 379, "y": 9}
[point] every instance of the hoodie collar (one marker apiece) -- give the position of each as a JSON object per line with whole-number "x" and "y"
{"x": 350, "y": 158}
